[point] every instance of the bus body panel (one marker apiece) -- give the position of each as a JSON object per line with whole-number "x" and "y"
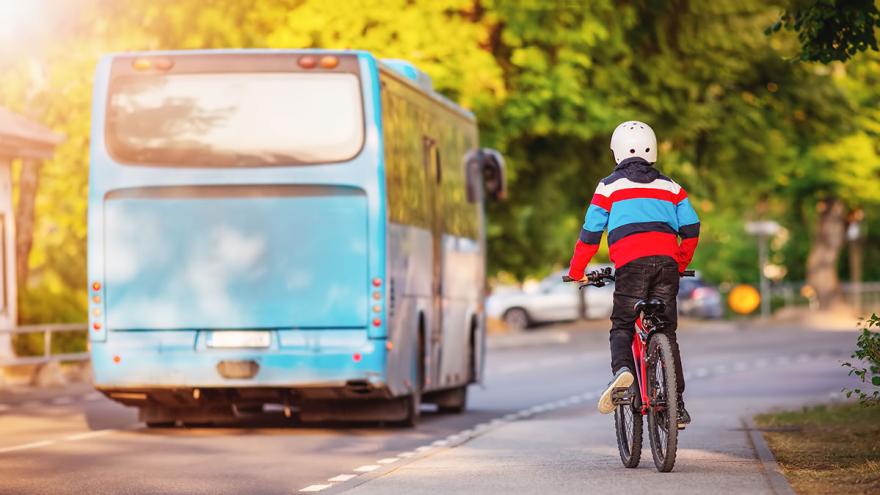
{"x": 263, "y": 258}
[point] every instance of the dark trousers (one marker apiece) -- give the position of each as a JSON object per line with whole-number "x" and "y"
{"x": 644, "y": 278}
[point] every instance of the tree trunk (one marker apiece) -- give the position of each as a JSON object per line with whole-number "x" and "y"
{"x": 28, "y": 183}
{"x": 825, "y": 250}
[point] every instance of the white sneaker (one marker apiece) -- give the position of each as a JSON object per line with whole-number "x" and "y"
{"x": 622, "y": 379}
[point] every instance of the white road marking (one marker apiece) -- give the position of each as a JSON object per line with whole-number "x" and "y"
{"x": 367, "y": 468}
{"x": 440, "y": 443}
{"x": 741, "y": 366}
{"x": 509, "y": 417}
{"x": 388, "y": 460}
{"x": 315, "y": 488}
{"x": 33, "y": 445}
{"x": 467, "y": 433}
{"x": 342, "y": 477}
{"x": 761, "y": 363}
{"x": 720, "y": 368}
{"x": 424, "y": 448}
{"x": 406, "y": 455}
{"x": 89, "y": 434}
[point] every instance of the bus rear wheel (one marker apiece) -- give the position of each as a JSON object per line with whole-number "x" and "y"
{"x": 414, "y": 400}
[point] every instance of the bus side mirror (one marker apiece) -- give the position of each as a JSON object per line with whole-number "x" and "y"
{"x": 485, "y": 175}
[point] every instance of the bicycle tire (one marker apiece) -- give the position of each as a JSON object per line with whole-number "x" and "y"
{"x": 629, "y": 433}
{"x": 663, "y": 413}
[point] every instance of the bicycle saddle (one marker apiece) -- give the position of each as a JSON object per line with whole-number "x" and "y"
{"x": 651, "y": 307}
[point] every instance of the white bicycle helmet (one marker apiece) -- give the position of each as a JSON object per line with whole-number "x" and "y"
{"x": 634, "y": 139}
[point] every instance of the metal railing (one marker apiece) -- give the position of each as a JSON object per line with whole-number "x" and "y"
{"x": 47, "y": 356}
{"x": 864, "y": 297}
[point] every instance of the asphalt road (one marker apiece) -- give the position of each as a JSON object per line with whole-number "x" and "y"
{"x": 83, "y": 443}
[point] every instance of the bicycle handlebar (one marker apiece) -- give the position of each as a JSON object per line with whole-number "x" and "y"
{"x": 598, "y": 277}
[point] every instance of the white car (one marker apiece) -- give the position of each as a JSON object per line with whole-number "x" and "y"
{"x": 551, "y": 301}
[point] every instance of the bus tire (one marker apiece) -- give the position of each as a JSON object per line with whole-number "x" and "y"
{"x": 452, "y": 401}
{"x": 160, "y": 424}
{"x": 414, "y": 400}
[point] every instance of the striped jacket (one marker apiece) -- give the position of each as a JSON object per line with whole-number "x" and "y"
{"x": 645, "y": 214}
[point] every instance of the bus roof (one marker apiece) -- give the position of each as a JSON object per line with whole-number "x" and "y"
{"x": 405, "y": 70}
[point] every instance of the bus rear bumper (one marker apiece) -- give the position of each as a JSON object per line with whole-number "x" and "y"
{"x": 314, "y": 363}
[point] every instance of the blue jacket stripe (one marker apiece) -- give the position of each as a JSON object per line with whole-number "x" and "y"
{"x": 638, "y": 210}
{"x": 596, "y": 219}
{"x": 638, "y": 228}
{"x": 685, "y": 213}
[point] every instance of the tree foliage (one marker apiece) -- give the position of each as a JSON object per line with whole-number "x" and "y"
{"x": 831, "y": 30}
{"x": 747, "y": 133}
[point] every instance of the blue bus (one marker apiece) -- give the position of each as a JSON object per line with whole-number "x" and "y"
{"x": 297, "y": 228}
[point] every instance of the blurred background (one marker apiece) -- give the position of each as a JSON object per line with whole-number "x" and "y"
{"x": 757, "y": 123}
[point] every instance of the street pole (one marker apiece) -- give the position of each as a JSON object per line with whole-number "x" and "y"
{"x": 763, "y": 230}
{"x": 765, "y": 282}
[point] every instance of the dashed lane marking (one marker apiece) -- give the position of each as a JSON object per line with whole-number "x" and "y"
{"x": 367, "y": 468}
{"x": 316, "y": 488}
{"x": 387, "y": 460}
{"x": 27, "y": 446}
{"x": 406, "y": 455}
{"x": 342, "y": 477}
{"x": 87, "y": 435}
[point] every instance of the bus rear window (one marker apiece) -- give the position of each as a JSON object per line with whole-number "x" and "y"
{"x": 235, "y": 119}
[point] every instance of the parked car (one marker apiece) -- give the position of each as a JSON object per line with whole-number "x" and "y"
{"x": 699, "y": 299}
{"x": 551, "y": 301}
{"x": 556, "y": 301}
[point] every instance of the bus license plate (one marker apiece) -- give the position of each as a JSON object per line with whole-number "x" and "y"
{"x": 238, "y": 339}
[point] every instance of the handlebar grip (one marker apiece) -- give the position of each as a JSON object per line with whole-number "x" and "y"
{"x": 688, "y": 273}
{"x": 566, "y": 278}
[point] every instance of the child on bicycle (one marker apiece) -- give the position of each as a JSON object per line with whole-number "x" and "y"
{"x": 645, "y": 213}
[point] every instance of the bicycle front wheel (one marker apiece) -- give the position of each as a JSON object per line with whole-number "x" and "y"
{"x": 628, "y": 423}
{"x": 663, "y": 413}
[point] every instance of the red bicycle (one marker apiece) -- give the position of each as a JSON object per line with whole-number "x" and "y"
{"x": 653, "y": 393}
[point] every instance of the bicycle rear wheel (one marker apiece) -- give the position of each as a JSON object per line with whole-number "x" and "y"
{"x": 663, "y": 413}
{"x": 628, "y": 423}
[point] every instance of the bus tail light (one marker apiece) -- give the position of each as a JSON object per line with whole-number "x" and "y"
{"x": 377, "y": 282}
{"x": 356, "y": 357}
{"x": 377, "y": 322}
{"x": 96, "y": 325}
{"x": 142, "y": 64}
{"x": 389, "y": 345}
{"x": 329, "y": 62}
{"x": 308, "y": 62}
{"x": 96, "y": 286}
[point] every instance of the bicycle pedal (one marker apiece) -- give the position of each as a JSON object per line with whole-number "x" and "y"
{"x": 620, "y": 397}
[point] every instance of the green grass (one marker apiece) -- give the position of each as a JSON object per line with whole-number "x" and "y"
{"x": 827, "y": 449}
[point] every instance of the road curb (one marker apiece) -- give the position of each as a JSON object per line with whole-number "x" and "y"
{"x": 778, "y": 483}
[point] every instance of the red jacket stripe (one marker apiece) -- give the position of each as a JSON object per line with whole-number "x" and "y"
{"x": 603, "y": 202}
{"x": 644, "y": 193}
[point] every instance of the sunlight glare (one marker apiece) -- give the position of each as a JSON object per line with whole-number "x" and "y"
{"x": 16, "y": 16}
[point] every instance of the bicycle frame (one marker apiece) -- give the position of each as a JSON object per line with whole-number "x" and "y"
{"x": 639, "y": 349}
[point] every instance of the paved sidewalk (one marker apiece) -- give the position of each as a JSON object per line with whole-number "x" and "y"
{"x": 573, "y": 450}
